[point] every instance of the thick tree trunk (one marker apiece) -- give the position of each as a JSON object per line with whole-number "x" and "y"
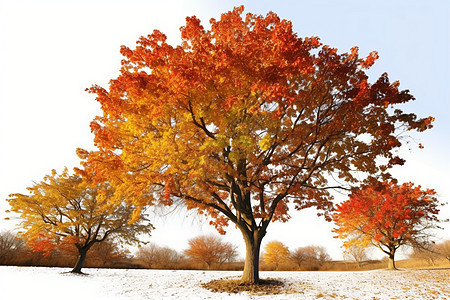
{"x": 252, "y": 249}
{"x": 391, "y": 264}
{"x": 80, "y": 261}
{"x": 391, "y": 261}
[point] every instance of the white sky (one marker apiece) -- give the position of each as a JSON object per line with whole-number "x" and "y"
{"x": 50, "y": 51}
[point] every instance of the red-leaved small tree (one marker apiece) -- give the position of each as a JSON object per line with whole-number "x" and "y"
{"x": 388, "y": 216}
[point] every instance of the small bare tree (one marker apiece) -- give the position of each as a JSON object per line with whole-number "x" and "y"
{"x": 11, "y": 245}
{"x": 298, "y": 256}
{"x": 157, "y": 257}
{"x": 356, "y": 253}
{"x": 310, "y": 257}
{"x": 444, "y": 249}
{"x": 429, "y": 253}
{"x": 107, "y": 253}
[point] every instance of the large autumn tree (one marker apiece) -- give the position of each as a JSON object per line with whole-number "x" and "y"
{"x": 243, "y": 121}
{"x": 387, "y": 215}
{"x": 67, "y": 210}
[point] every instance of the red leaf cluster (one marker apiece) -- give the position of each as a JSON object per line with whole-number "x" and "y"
{"x": 387, "y": 214}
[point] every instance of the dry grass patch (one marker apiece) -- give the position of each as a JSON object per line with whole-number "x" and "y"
{"x": 268, "y": 286}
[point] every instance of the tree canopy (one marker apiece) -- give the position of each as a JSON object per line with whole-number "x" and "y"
{"x": 387, "y": 215}
{"x": 67, "y": 210}
{"x": 276, "y": 253}
{"x": 243, "y": 119}
{"x": 210, "y": 249}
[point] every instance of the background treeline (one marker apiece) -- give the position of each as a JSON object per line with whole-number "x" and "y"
{"x": 210, "y": 252}
{"x": 15, "y": 251}
{"x": 276, "y": 256}
{"x": 204, "y": 252}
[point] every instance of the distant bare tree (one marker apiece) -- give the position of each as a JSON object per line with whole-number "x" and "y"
{"x": 11, "y": 245}
{"x": 298, "y": 256}
{"x": 444, "y": 249}
{"x": 322, "y": 255}
{"x": 211, "y": 250}
{"x": 310, "y": 257}
{"x": 159, "y": 257}
{"x": 429, "y": 253}
{"x": 356, "y": 253}
{"x": 107, "y": 253}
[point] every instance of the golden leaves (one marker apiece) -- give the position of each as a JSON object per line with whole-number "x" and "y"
{"x": 245, "y": 107}
{"x": 265, "y": 142}
{"x": 65, "y": 205}
{"x": 276, "y": 253}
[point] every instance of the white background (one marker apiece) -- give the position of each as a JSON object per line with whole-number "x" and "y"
{"x": 51, "y": 51}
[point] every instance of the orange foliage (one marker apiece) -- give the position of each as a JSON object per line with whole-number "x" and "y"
{"x": 210, "y": 250}
{"x": 42, "y": 242}
{"x": 388, "y": 216}
{"x": 71, "y": 212}
{"x": 276, "y": 253}
{"x": 244, "y": 118}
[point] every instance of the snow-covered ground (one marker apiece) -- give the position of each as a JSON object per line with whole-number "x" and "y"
{"x": 55, "y": 283}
